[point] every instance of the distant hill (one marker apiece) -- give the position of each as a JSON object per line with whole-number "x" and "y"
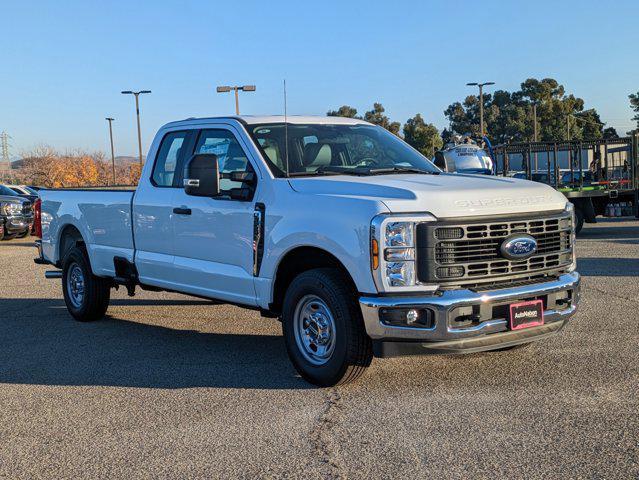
{"x": 125, "y": 159}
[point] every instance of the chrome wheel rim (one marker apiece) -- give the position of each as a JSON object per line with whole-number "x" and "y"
{"x": 75, "y": 285}
{"x": 314, "y": 329}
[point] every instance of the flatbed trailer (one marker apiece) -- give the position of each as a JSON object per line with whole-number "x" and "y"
{"x": 594, "y": 175}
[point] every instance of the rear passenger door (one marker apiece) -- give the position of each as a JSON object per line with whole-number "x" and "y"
{"x": 213, "y": 242}
{"x": 153, "y": 210}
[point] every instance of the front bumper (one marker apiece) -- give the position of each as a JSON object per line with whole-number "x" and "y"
{"x": 465, "y": 321}
{"x": 17, "y": 224}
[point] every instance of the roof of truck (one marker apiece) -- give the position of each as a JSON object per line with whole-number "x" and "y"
{"x": 260, "y": 119}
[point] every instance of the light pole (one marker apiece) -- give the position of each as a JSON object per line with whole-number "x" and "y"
{"x": 137, "y": 112}
{"x": 534, "y": 108}
{"x": 244, "y": 88}
{"x": 481, "y": 103}
{"x": 110, "y": 120}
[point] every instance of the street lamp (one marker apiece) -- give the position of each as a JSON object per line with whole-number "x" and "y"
{"x": 110, "y": 120}
{"x": 244, "y": 88}
{"x": 481, "y": 103}
{"x": 137, "y": 112}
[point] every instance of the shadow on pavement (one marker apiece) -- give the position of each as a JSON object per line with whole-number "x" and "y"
{"x": 609, "y": 231}
{"x": 17, "y": 243}
{"x": 608, "y": 267}
{"x": 40, "y": 344}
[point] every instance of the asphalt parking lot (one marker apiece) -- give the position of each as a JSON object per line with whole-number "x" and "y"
{"x": 170, "y": 386}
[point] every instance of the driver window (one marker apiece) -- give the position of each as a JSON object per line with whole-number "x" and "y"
{"x": 230, "y": 155}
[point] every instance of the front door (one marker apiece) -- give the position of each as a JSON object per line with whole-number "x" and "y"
{"x": 213, "y": 237}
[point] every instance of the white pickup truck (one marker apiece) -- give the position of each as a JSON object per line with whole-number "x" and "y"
{"x": 359, "y": 244}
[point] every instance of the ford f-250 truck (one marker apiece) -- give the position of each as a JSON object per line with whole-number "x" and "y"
{"x": 358, "y": 243}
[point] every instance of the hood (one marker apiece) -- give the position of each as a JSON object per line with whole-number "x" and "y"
{"x": 444, "y": 195}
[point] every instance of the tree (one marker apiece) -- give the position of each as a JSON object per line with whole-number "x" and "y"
{"x": 634, "y": 104}
{"x": 610, "y": 133}
{"x": 376, "y": 116}
{"x": 422, "y": 136}
{"x": 343, "y": 111}
{"x": 509, "y": 116}
{"x": 447, "y": 136}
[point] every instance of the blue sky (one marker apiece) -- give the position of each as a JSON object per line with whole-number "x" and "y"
{"x": 63, "y": 64}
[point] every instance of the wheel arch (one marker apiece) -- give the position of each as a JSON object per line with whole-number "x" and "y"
{"x": 69, "y": 237}
{"x": 298, "y": 260}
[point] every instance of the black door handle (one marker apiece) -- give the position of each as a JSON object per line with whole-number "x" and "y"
{"x": 182, "y": 211}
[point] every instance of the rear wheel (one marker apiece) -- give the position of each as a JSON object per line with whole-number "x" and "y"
{"x": 86, "y": 296}
{"x": 323, "y": 328}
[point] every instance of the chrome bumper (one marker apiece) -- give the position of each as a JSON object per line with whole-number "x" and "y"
{"x": 18, "y": 223}
{"x": 561, "y": 300}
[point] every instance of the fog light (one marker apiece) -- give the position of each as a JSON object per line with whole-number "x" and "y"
{"x": 407, "y": 317}
{"x": 412, "y": 316}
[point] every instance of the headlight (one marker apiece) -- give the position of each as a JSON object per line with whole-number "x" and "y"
{"x": 10, "y": 208}
{"x": 573, "y": 235}
{"x": 393, "y": 252}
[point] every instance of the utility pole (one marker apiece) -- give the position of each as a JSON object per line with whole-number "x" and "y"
{"x": 137, "y": 112}
{"x": 481, "y": 104}
{"x": 110, "y": 120}
{"x": 4, "y": 139}
{"x": 535, "y": 139}
{"x": 236, "y": 89}
{"x": 5, "y": 161}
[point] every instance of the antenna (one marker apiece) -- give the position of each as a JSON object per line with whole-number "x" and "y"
{"x": 285, "y": 131}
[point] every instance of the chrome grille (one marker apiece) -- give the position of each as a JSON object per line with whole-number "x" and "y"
{"x": 27, "y": 208}
{"x": 474, "y": 249}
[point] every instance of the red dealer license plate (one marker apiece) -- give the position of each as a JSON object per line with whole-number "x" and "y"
{"x": 526, "y": 314}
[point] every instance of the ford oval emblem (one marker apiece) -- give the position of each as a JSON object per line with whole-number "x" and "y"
{"x": 518, "y": 247}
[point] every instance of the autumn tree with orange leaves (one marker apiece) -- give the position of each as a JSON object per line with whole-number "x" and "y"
{"x": 48, "y": 168}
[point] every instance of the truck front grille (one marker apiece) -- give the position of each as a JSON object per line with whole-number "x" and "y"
{"x": 27, "y": 208}
{"x": 469, "y": 253}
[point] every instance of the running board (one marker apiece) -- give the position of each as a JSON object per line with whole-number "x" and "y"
{"x": 53, "y": 274}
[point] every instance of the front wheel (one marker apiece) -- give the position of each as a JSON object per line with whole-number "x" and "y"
{"x": 86, "y": 296}
{"x": 323, "y": 328}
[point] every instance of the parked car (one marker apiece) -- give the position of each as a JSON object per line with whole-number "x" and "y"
{"x": 24, "y": 191}
{"x": 357, "y": 242}
{"x": 574, "y": 178}
{"x": 537, "y": 176}
{"x": 16, "y": 214}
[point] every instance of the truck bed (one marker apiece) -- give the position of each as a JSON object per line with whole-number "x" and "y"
{"x": 102, "y": 216}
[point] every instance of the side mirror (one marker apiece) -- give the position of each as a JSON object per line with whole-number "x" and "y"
{"x": 202, "y": 176}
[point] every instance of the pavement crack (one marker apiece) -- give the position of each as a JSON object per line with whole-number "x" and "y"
{"x": 323, "y": 446}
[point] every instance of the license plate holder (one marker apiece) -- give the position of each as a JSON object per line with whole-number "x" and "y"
{"x": 526, "y": 314}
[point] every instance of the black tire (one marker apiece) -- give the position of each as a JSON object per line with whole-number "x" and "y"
{"x": 94, "y": 301}
{"x": 22, "y": 235}
{"x": 352, "y": 352}
{"x": 579, "y": 220}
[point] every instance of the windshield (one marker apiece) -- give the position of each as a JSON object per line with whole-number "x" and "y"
{"x": 337, "y": 149}
{"x": 7, "y": 191}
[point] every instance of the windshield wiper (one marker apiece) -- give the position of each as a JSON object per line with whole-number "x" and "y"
{"x": 359, "y": 171}
{"x": 312, "y": 173}
{"x": 337, "y": 170}
{"x": 385, "y": 170}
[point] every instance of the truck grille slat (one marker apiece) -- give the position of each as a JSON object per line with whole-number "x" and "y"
{"x": 475, "y": 246}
